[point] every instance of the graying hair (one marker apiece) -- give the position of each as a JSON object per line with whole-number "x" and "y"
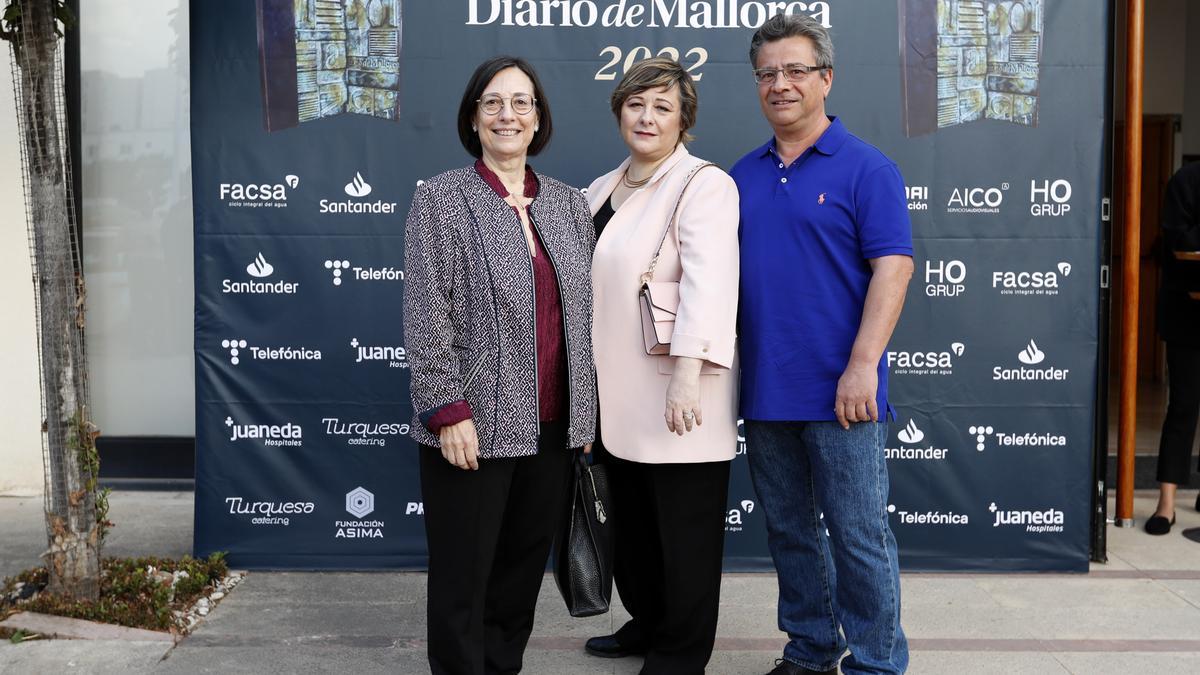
{"x": 783, "y": 26}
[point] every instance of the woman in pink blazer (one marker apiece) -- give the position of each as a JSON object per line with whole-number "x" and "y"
{"x": 668, "y": 422}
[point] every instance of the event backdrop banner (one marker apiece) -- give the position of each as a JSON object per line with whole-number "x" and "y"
{"x": 314, "y": 120}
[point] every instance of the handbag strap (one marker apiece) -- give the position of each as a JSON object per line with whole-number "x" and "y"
{"x": 648, "y": 275}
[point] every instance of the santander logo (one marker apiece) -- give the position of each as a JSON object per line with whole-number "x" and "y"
{"x": 910, "y": 433}
{"x": 260, "y": 268}
{"x": 358, "y": 187}
{"x": 1031, "y": 355}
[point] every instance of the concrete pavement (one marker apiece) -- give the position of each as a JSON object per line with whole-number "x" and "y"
{"x": 1140, "y": 612}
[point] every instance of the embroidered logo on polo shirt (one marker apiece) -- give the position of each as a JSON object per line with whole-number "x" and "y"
{"x": 821, "y": 198}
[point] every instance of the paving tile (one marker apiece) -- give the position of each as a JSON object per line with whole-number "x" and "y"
{"x": 984, "y": 663}
{"x": 1109, "y": 663}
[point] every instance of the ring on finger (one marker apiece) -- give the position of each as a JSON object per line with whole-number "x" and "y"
{"x": 689, "y": 415}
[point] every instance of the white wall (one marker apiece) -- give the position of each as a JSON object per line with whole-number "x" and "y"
{"x": 20, "y": 397}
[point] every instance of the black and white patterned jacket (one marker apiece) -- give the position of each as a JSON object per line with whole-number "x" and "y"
{"x": 469, "y": 320}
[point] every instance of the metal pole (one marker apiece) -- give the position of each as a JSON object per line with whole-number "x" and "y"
{"x": 1131, "y": 259}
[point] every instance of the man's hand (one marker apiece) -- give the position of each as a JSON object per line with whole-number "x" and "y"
{"x": 460, "y": 444}
{"x": 856, "y": 395}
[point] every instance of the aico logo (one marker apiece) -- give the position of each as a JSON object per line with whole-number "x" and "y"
{"x": 1031, "y": 355}
{"x": 360, "y": 502}
{"x": 1031, "y": 283}
{"x": 235, "y": 345}
{"x": 925, "y": 363}
{"x": 363, "y": 273}
{"x": 1050, "y": 198}
{"x": 928, "y": 517}
{"x": 259, "y": 268}
{"x": 278, "y": 435}
{"x": 734, "y": 518}
{"x": 357, "y": 188}
{"x": 910, "y": 447}
{"x": 258, "y": 195}
{"x": 364, "y": 433}
{"x": 976, "y": 199}
{"x": 1050, "y": 520}
{"x": 917, "y": 196}
{"x": 1027, "y": 439}
{"x": 945, "y": 278}
{"x": 396, "y": 357}
{"x": 268, "y": 513}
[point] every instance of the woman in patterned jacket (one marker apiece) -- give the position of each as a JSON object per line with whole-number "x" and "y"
{"x": 497, "y": 320}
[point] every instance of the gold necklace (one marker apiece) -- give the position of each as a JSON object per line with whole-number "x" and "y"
{"x": 634, "y": 184}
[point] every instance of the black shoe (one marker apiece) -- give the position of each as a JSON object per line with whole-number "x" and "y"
{"x": 1198, "y": 502}
{"x": 1158, "y": 525}
{"x": 784, "y": 667}
{"x": 607, "y": 646}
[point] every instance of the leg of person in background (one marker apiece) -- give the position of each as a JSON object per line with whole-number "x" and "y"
{"x": 1178, "y": 432}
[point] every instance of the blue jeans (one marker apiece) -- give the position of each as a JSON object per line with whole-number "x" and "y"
{"x": 850, "y": 578}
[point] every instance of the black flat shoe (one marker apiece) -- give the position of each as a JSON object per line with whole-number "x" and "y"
{"x": 608, "y": 647}
{"x": 1158, "y": 525}
{"x": 1198, "y": 502}
{"x": 785, "y": 667}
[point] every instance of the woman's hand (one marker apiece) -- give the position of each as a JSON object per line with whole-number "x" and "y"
{"x": 460, "y": 444}
{"x": 683, "y": 396}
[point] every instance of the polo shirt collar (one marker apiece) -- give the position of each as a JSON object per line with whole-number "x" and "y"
{"x": 831, "y": 140}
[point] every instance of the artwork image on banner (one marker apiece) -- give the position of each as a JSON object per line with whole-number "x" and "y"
{"x": 320, "y": 58}
{"x": 965, "y": 60}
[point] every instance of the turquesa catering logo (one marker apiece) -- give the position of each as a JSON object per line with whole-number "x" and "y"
{"x": 360, "y": 503}
{"x": 911, "y": 445}
{"x": 258, "y": 195}
{"x": 1036, "y": 521}
{"x": 1031, "y": 355}
{"x": 268, "y": 513}
{"x": 358, "y": 189}
{"x": 338, "y": 267}
{"x": 364, "y": 433}
{"x": 903, "y": 362}
{"x": 1037, "y": 282}
{"x": 287, "y": 434}
{"x": 260, "y": 271}
{"x": 928, "y": 517}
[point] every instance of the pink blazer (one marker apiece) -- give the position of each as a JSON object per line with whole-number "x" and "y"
{"x": 701, "y": 253}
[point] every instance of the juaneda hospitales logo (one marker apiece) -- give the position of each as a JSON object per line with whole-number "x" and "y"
{"x": 734, "y": 518}
{"x": 1038, "y": 522}
{"x": 279, "y": 435}
{"x": 1041, "y": 282}
{"x": 945, "y": 278}
{"x": 360, "y": 502}
{"x": 976, "y": 199}
{"x": 260, "y": 269}
{"x": 1019, "y": 440}
{"x": 394, "y": 356}
{"x": 925, "y": 362}
{"x": 358, "y": 188}
{"x": 235, "y": 346}
{"x": 336, "y": 267}
{"x": 1031, "y": 355}
{"x": 268, "y": 513}
{"x": 928, "y": 517}
{"x": 258, "y": 195}
{"x": 1050, "y": 198}
{"x": 911, "y": 446}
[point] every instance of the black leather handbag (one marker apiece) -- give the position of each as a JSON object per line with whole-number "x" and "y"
{"x": 583, "y": 554}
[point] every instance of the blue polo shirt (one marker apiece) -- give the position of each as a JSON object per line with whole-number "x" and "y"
{"x": 807, "y": 233}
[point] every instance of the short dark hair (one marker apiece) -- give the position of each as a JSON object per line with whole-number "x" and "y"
{"x": 652, "y": 74}
{"x": 480, "y": 79}
{"x": 782, "y": 26}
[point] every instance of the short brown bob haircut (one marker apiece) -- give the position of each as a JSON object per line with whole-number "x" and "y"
{"x": 652, "y": 74}
{"x": 475, "y": 89}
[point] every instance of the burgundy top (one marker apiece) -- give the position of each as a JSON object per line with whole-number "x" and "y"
{"x": 551, "y": 344}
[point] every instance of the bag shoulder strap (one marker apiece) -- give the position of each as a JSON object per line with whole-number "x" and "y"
{"x": 648, "y": 275}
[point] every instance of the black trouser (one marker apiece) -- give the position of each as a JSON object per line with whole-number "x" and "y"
{"x": 489, "y": 533}
{"x": 669, "y": 524}
{"x": 1183, "y": 408}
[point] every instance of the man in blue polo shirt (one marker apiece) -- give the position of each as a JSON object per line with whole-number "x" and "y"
{"x": 826, "y": 256}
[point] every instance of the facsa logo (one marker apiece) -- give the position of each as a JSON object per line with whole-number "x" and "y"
{"x": 928, "y": 517}
{"x": 396, "y": 357}
{"x": 363, "y": 273}
{"x": 1031, "y": 283}
{"x": 259, "y": 268}
{"x": 1038, "y": 522}
{"x": 360, "y": 502}
{"x": 925, "y": 363}
{"x": 1031, "y": 355}
{"x": 1027, "y": 439}
{"x": 235, "y": 346}
{"x": 277, "y": 435}
{"x": 258, "y": 195}
{"x": 910, "y": 447}
{"x": 945, "y": 278}
{"x": 364, "y": 433}
{"x": 917, "y": 196}
{"x": 1050, "y": 198}
{"x": 268, "y": 513}
{"x": 357, "y": 188}
{"x": 976, "y": 199}
{"x": 735, "y": 517}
